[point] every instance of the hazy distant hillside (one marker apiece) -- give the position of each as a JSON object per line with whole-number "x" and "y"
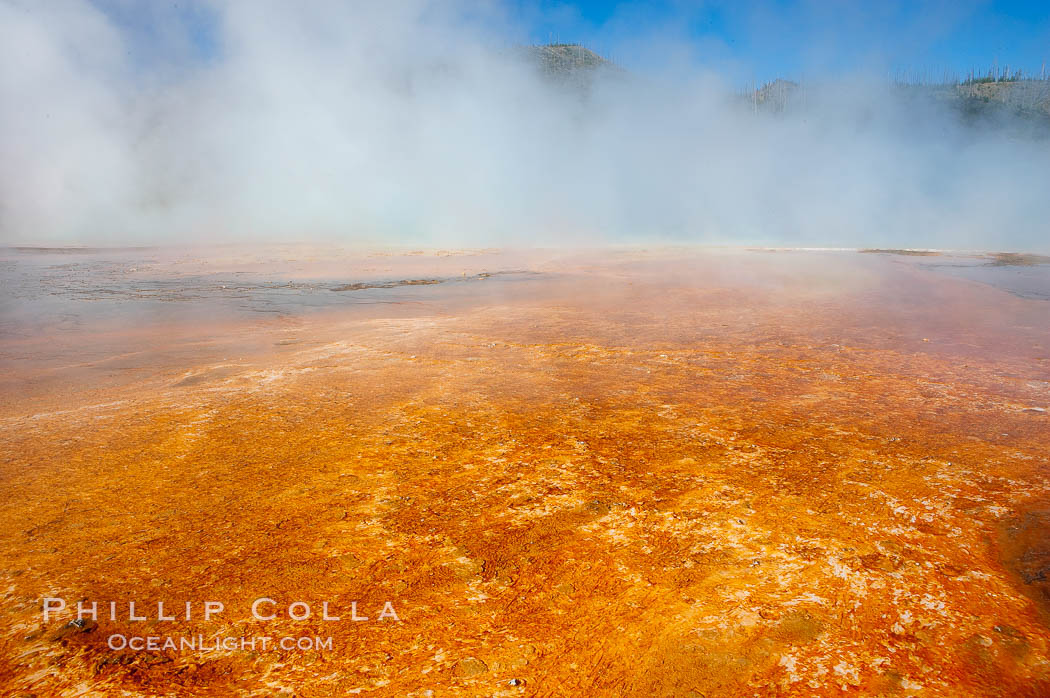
{"x": 1016, "y": 103}
{"x": 1026, "y": 98}
{"x": 1021, "y": 104}
{"x": 563, "y": 58}
{"x": 776, "y": 95}
{"x": 569, "y": 64}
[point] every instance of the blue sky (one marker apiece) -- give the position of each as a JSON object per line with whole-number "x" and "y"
{"x": 795, "y": 38}
{"x": 743, "y": 41}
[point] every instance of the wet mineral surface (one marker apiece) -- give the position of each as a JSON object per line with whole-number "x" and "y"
{"x": 627, "y": 472}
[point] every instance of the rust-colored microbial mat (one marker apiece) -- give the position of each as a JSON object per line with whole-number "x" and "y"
{"x": 620, "y": 473}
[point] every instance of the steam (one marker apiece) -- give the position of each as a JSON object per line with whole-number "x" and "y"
{"x": 420, "y": 122}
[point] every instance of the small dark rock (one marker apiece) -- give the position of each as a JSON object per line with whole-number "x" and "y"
{"x": 596, "y": 507}
{"x": 78, "y": 625}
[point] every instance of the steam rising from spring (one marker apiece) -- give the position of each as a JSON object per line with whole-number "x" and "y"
{"x": 419, "y": 122}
